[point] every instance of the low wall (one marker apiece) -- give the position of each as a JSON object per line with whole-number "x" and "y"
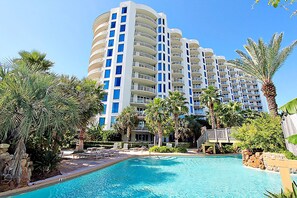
{"x": 259, "y": 160}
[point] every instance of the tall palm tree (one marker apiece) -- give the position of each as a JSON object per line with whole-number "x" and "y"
{"x": 32, "y": 103}
{"x": 35, "y": 60}
{"x": 127, "y": 120}
{"x": 218, "y": 113}
{"x": 157, "y": 115}
{"x": 232, "y": 114}
{"x": 262, "y": 60}
{"x": 194, "y": 126}
{"x": 209, "y": 97}
{"x": 176, "y": 103}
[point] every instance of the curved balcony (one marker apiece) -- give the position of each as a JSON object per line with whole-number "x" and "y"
{"x": 176, "y": 49}
{"x": 99, "y": 36}
{"x": 140, "y": 101}
{"x": 139, "y": 26}
{"x": 178, "y": 82}
{"x": 144, "y": 79}
{"x": 144, "y": 68}
{"x": 176, "y": 64}
{"x": 144, "y": 57}
{"x": 101, "y": 27}
{"x": 143, "y": 90}
{"x": 222, "y": 71}
{"x": 181, "y": 90}
{"x": 145, "y": 47}
{"x": 211, "y": 79}
{"x": 97, "y": 54}
{"x": 194, "y": 58}
{"x": 196, "y": 72}
{"x": 101, "y": 19}
{"x": 194, "y": 51}
{"x": 176, "y": 41}
{"x": 146, "y": 19}
{"x": 145, "y": 37}
{"x": 95, "y": 64}
{"x": 197, "y": 87}
{"x": 177, "y": 73}
{"x": 176, "y": 57}
{"x": 95, "y": 74}
{"x": 197, "y": 80}
{"x": 210, "y": 71}
{"x": 99, "y": 44}
{"x": 210, "y": 66}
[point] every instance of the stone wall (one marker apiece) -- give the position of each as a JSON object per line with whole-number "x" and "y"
{"x": 6, "y": 161}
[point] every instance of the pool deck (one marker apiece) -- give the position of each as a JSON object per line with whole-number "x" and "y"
{"x": 85, "y": 166}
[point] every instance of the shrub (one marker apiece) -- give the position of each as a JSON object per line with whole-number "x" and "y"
{"x": 263, "y": 133}
{"x": 289, "y": 155}
{"x": 228, "y": 148}
{"x": 180, "y": 149}
{"x": 164, "y": 149}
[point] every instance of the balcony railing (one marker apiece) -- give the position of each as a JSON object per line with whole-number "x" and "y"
{"x": 146, "y": 17}
{"x": 146, "y": 26}
{"x": 145, "y": 44}
{"x": 134, "y": 75}
{"x": 141, "y": 100}
{"x": 145, "y": 35}
{"x": 143, "y": 88}
{"x": 144, "y": 65}
{"x": 144, "y": 55}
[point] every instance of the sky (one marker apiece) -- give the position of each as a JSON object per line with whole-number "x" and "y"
{"x": 63, "y": 30}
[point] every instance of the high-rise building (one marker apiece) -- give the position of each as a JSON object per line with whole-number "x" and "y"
{"x": 137, "y": 57}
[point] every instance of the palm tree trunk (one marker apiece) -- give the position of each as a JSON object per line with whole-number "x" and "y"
{"x": 155, "y": 139}
{"x": 128, "y": 132}
{"x": 160, "y": 134}
{"x": 176, "y": 129}
{"x": 218, "y": 122}
{"x": 213, "y": 122}
{"x": 18, "y": 155}
{"x": 80, "y": 146}
{"x": 269, "y": 92}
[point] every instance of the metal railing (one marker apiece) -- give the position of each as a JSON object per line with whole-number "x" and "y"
{"x": 144, "y": 44}
{"x": 145, "y": 35}
{"x": 146, "y": 26}
{"x": 143, "y": 88}
{"x": 144, "y": 54}
{"x": 144, "y": 65}
{"x": 146, "y": 17}
{"x": 143, "y": 76}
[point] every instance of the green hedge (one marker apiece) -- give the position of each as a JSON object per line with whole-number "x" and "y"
{"x": 164, "y": 149}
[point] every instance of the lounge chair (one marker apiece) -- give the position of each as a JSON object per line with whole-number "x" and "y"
{"x": 115, "y": 146}
{"x": 168, "y": 145}
{"x": 125, "y": 147}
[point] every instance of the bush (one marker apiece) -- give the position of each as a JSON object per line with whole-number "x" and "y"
{"x": 164, "y": 149}
{"x": 228, "y": 148}
{"x": 263, "y": 133}
{"x": 289, "y": 155}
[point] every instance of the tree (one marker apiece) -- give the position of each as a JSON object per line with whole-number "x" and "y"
{"x": 176, "y": 103}
{"x": 218, "y": 113}
{"x": 209, "y": 97}
{"x": 280, "y": 3}
{"x": 31, "y": 103}
{"x": 127, "y": 120}
{"x": 157, "y": 115}
{"x": 262, "y": 61}
{"x": 232, "y": 114}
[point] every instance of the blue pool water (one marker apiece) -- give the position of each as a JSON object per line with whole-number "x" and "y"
{"x": 168, "y": 177}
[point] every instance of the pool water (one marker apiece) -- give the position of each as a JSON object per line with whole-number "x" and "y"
{"x": 168, "y": 177}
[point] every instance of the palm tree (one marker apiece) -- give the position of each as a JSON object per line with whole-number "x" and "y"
{"x": 157, "y": 116}
{"x": 32, "y": 103}
{"x": 194, "y": 126}
{"x": 176, "y": 103}
{"x": 218, "y": 113}
{"x": 127, "y": 120}
{"x": 209, "y": 97}
{"x": 232, "y": 114}
{"x": 35, "y": 60}
{"x": 262, "y": 61}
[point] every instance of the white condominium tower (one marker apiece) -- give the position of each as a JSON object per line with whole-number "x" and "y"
{"x": 137, "y": 57}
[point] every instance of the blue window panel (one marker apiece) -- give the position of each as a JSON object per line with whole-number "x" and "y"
{"x": 113, "y": 120}
{"x": 117, "y": 81}
{"x": 101, "y": 121}
{"x": 104, "y": 97}
{"x": 115, "y": 107}
{"x": 104, "y": 109}
{"x": 189, "y": 75}
{"x": 168, "y": 43}
{"x": 205, "y": 81}
{"x": 159, "y": 77}
{"x": 114, "y": 16}
{"x": 159, "y": 87}
{"x": 122, "y": 28}
{"x": 164, "y": 48}
{"x": 163, "y": 21}
{"x": 159, "y": 21}
{"x": 116, "y": 94}
{"x": 159, "y": 47}
{"x": 123, "y": 19}
{"x": 191, "y": 108}
{"x": 113, "y": 24}
{"x": 122, "y": 37}
{"x": 190, "y": 92}
{"x": 108, "y": 63}
{"x": 188, "y": 52}
{"x": 167, "y": 35}
{"x": 163, "y": 29}
{"x": 163, "y": 38}
{"x": 168, "y": 67}
{"x": 111, "y": 33}
{"x": 187, "y": 45}
{"x": 109, "y": 52}
{"x": 160, "y": 38}
{"x": 106, "y": 84}
{"x": 168, "y": 76}
{"x": 203, "y": 60}
{"x": 205, "y": 75}
{"x": 121, "y": 48}
{"x": 202, "y": 53}
{"x": 169, "y": 85}
{"x": 159, "y": 29}
{"x": 219, "y": 80}
{"x": 110, "y": 43}
{"x": 120, "y": 58}
{"x": 168, "y": 50}
{"x": 164, "y": 57}
{"x": 164, "y": 77}
{"x": 189, "y": 83}
{"x": 159, "y": 56}
{"x": 107, "y": 73}
{"x": 119, "y": 69}
{"x": 124, "y": 10}
{"x": 168, "y": 58}
{"x": 188, "y": 60}
{"x": 164, "y": 88}
{"x": 159, "y": 66}
{"x": 191, "y": 100}
{"x": 189, "y": 67}
{"x": 164, "y": 67}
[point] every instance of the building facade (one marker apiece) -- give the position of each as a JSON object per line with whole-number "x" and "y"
{"x": 137, "y": 57}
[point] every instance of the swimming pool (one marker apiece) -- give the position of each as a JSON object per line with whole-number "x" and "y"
{"x": 167, "y": 177}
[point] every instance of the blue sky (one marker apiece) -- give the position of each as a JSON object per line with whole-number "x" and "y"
{"x": 63, "y": 29}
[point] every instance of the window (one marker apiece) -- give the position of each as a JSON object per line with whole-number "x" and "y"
{"x": 111, "y": 33}
{"x": 168, "y": 58}
{"x": 113, "y": 24}
{"x": 121, "y": 48}
{"x": 117, "y": 81}
{"x": 104, "y": 109}
{"x": 123, "y": 19}
{"x": 159, "y": 77}
{"x": 121, "y": 37}
{"x": 108, "y": 63}
{"x": 189, "y": 83}
{"x": 113, "y": 120}
{"x": 169, "y": 76}
{"x": 124, "y": 10}
{"x": 110, "y": 43}
{"x": 159, "y": 88}
{"x": 120, "y": 58}
{"x": 164, "y": 67}
{"x": 159, "y": 47}
{"x": 187, "y": 45}
{"x": 159, "y": 56}
{"x": 109, "y": 52}
{"x": 163, "y": 21}
{"x": 169, "y": 85}
{"x": 159, "y": 29}
{"x": 164, "y": 77}
{"x": 159, "y": 66}
{"x": 168, "y": 50}
{"x": 122, "y": 28}
{"x": 189, "y": 75}
{"x": 115, "y": 107}
{"x": 190, "y": 92}
{"x": 168, "y": 67}
{"x": 113, "y": 16}
{"x": 107, "y": 73}
{"x": 119, "y": 69}
{"x": 164, "y": 88}
{"x": 159, "y": 38}
{"x": 104, "y": 97}
{"x": 116, "y": 94}
{"x": 106, "y": 84}
{"x": 159, "y": 21}
{"x": 191, "y": 109}
{"x": 191, "y": 100}
{"x": 189, "y": 67}
{"x": 101, "y": 121}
